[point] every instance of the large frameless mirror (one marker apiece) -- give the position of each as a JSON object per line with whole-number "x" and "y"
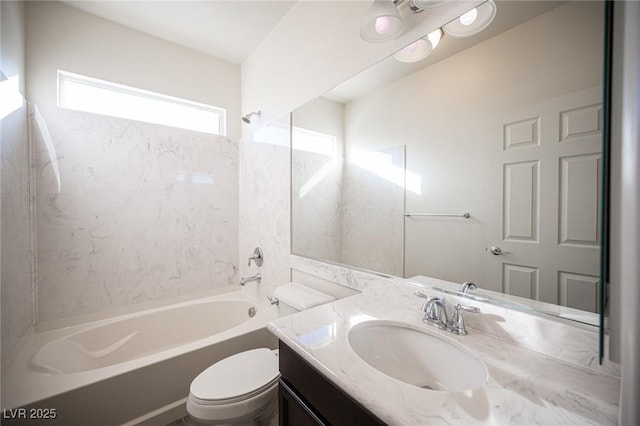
{"x": 481, "y": 162}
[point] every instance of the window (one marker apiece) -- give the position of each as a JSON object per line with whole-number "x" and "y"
{"x": 310, "y": 141}
{"x": 88, "y": 94}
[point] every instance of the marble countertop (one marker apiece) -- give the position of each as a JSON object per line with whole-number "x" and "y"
{"x": 525, "y": 387}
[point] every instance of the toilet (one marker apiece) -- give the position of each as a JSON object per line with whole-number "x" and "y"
{"x": 241, "y": 390}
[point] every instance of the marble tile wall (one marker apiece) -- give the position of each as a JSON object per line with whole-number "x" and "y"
{"x": 265, "y": 219}
{"x": 316, "y": 204}
{"x": 373, "y": 204}
{"x": 346, "y": 213}
{"x": 129, "y": 212}
{"x": 15, "y": 244}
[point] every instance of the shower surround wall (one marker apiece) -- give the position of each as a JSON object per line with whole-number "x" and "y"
{"x": 15, "y": 229}
{"x": 129, "y": 212}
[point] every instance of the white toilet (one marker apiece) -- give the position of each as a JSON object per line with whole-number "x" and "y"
{"x": 242, "y": 389}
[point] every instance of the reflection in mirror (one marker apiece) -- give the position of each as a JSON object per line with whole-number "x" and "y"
{"x": 504, "y": 125}
{"x": 335, "y": 201}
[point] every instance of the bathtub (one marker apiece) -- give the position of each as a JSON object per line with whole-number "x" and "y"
{"x": 134, "y": 368}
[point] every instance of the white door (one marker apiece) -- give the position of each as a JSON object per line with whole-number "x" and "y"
{"x": 547, "y": 167}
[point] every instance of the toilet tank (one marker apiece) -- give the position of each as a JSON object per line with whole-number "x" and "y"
{"x": 294, "y": 297}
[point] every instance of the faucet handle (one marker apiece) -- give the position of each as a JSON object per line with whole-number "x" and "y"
{"x": 257, "y": 257}
{"x": 457, "y": 322}
{"x": 472, "y": 309}
{"x": 273, "y": 300}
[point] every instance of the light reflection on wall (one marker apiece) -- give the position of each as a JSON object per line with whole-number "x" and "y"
{"x": 48, "y": 143}
{"x": 197, "y": 178}
{"x": 10, "y": 97}
{"x": 382, "y": 164}
{"x": 273, "y": 134}
{"x": 319, "y": 176}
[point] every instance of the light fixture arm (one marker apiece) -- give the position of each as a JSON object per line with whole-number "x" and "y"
{"x": 413, "y": 7}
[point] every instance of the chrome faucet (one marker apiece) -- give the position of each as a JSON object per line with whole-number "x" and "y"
{"x": 257, "y": 278}
{"x": 435, "y": 313}
{"x": 468, "y": 286}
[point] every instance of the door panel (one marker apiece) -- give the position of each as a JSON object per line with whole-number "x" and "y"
{"x": 520, "y": 281}
{"x": 547, "y": 167}
{"x": 579, "y": 291}
{"x": 579, "y": 200}
{"x": 521, "y": 201}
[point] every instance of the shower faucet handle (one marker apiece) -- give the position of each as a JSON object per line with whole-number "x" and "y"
{"x": 257, "y": 257}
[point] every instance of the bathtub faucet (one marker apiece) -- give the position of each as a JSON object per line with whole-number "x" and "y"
{"x": 257, "y": 278}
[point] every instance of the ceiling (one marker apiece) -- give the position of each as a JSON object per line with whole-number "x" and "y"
{"x": 232, "y": 29}
{"x": 226, "y": 29}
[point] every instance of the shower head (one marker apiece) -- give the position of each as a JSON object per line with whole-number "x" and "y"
{"x": 247, "y": 118}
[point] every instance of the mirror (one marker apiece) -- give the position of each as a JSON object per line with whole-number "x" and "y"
{"x": 480, "y": 163}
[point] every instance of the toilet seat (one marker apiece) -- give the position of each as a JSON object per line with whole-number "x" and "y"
{"x": 236, "y": 378}
{"x": 239, "y": 398}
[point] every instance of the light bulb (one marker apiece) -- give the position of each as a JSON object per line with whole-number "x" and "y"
{"x": 382, "y": 24}
{"x": 469, "y": 17}
{"x": 416, "y": 51}
{"x": 411, "y": 48}
{"x": 434, "y": 37}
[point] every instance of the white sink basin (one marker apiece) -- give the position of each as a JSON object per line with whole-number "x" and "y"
{"x": 417, "y": 358}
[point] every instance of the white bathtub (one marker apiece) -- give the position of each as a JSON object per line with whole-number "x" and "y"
{"x": 135, "y": 367}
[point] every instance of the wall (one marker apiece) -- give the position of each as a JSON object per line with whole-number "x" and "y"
{"x": 130, "y": 212}
{"x": 61, "y": 37}
{"x": 625, "y": 209}
{"x": 373, "y": 204}
{"x": 265, "y": 178}
{"x": 15, "y": 231}
{"x": 444, "y": 115}
{"x": 317, "y": 45}
{"x": 345, "y": 211}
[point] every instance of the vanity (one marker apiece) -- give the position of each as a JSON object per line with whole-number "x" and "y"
{"x": 306, "y": 397}
{"x": 484, "y": 163}
{"x": 326, "y": 381}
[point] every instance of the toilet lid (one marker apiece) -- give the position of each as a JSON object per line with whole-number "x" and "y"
{"x": 237, "y": 375}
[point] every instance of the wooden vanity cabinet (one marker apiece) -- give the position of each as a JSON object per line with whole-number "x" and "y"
{"x": 307, "y": 398}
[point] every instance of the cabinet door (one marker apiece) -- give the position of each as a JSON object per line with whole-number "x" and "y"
{"x": 293, "y": 411}
{"x": 322, "y": 399}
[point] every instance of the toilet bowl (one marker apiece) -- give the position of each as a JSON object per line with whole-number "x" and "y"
{"x": 241, "y": 390}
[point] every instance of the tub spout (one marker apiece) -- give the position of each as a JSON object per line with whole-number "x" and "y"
{"x": 257, "y": 278}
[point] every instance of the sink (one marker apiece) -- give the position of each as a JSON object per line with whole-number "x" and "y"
{"x": 417, "y": 358}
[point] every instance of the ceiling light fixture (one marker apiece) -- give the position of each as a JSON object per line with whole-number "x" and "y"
{"x": 434, "y": 37}
{"x": 416, "y": 51}
{"x": 427, "y": 4}
{"x": 382, "y": 22}
{"x": 419, "y": 49}
{"x": 469, "y": 17}
{"x": 473, "y": 21}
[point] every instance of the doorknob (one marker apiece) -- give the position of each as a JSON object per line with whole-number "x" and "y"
{"x": 497, "y": 251}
